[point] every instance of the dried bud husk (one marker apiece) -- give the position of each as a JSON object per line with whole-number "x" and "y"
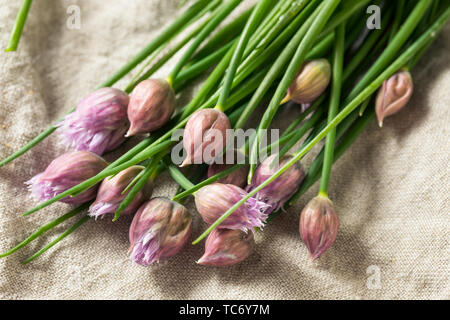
{"x": 226, "y": 247}
{"x": 110, "y": 194}
{"x": 99, "y": 122}
{"x": 205, "y": 136}
{"x": 214, "y": 200}
{"x": 393, "y": 95}
{"x": 279, "y": 191}
{"x": 319, "y": 225}
{"x": 159, "y": 230}
{"x": 152, "y": 103}
{"x": 237, "y": 177}
{"x": 65, "y": 172}
{"x": 310, "y": 82}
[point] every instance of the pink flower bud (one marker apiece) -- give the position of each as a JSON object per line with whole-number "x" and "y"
{"x": 159, "y": 230}
{"x": 110, "y": 193}
{"x": 205, "y": 136}
{"x": 152, "y": 103}
{"x": 226, "y": 247}
{"x": 65, "y": 172}
{"x": 311, "y": 81}
{"x": 99, "y": 122}
{"x": 393, "y": 95}
{"x": 214, "y": 200}
{"x": 237, "y": 177}
{"x": 282, "y": 188}
{"x": 319, "y": 225}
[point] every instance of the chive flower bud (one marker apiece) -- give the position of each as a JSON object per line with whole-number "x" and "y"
{"x": 152, "y": 103}
{"x": 393, "y": 95}
{"x": 310, "y": 82}
{"x": 215, "y": 199}
{"x": 159, "y": 230}
{"x": 99, "y": 122}
{"x": 205, "y": 136}
{"x": 65, "y": 172}
{"x": 237, "y": 177}
{"x": 111, "y": 193}
{"x": 319, "y": 225}
{"x": 282, "y": 188}
{"x": 225, "y": 247}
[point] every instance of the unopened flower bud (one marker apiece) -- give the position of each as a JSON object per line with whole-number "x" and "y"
{"x": 237, "y": 177}
{"x": 205, "y": 136}
{"x": 225, "y": 247}
{"x": 393, "y": 95}
{"x": 99, "y": 122}
{"x": 110, "y": 194}
{"x": 310, "y": 82}
{"x": 282, "y": 188}
{"x": 65, "y": 172}
{"x": 319, "y": 225}
{"x": 152, "y": 103}
{"x": 159, "y": 230}
{"x": 213, "y": 200}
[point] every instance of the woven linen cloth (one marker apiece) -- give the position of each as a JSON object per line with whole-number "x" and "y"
{"x": 391, "y": 188}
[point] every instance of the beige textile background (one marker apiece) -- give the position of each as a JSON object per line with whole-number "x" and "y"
{"x": 391, "y": 188}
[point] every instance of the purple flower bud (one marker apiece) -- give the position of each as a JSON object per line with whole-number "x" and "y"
{"x": 319, "y": 225}
{"x": 159, "y": 230}
{"x": 311, "y": 81}
{"x": 110, "y": 193}
{"x": 99, "y": 122}
{"x": 393, "y": 95}
{"x": 65, "y": 172}
{"x": 152, "y": 103}
{"x": 214, "y": 200}
{"x": 237, "y": 177}
{"x": 282, "y": 188}
{"x": 226, "y": 247}
{"x": 205, "y": 136}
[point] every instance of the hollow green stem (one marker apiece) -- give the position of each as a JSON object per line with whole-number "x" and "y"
{"x": 255, "y": 18}
{"x": 310, "y": 34}
{"x": 78, "y": 224}
{"x": 178, "y": 176}
{"x": 336, "y": 86}
{"x": 47, "y": 227}
{"x": 367, "y": 92}
{"x": 400, "y": 6}
{"x": 222, "y": 13}
{"x": 16, "y": 32}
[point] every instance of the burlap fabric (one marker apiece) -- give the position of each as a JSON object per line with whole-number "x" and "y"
{"x": 391, "y": 188}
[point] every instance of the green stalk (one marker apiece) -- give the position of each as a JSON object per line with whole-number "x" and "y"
{"x": 222, "y": 13}
{"x": 16, "y": 32}
{"x": 324, "y": 13}
{"x": 47, "y": 227}
{"x": 168, "y": 33}
{"x": 256, "y": 17}
{"x": 367, "y": 92}
{"x": 336, "y": 86}
{"x": 78, "y": 224}
{"x": 178, "y": 176}
{"x": 277, "y": 68}
{"x": 400, "y": 6}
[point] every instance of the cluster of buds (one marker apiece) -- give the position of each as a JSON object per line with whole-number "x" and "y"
{"x": 65, "y": 172}
{"x": 213, "y": 200}
{"x": 319, "y": 225}
{"x": 393, "y": 95}
{"x": 159, "y": 230}
{"x": 282, "y": 188}
{"x": 205, "y": 136}
{"x": 152, "y": 103}
{"x": 310, "y": 82}
{"x": 99, "y": 122}
{"x": 111, "y": 193}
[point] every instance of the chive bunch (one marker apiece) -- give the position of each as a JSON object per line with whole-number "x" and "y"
{"x": 318, "y": 53}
